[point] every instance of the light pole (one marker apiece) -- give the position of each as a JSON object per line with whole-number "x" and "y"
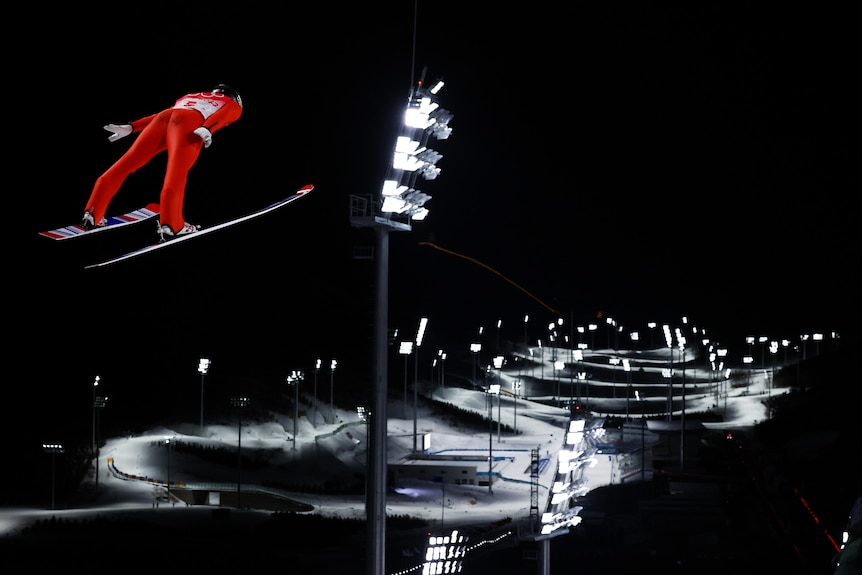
{"x": 293, "y": 379}
{"x": 817, "y": 337}
{"x": 681, "y": 340}
{"x": 168, "y": 446}
{"x": 773, "y": 349}
{"x": 475, "y": 348}
{"x": 98, "y": 403}
{"x": 401, "y": 201}
{"x": 420, "y": 334}
{"x": 53, "y": 449}
{"x": 558, "y": 365}
{"x": 442, "y": 355}
{"x": 95, "y": 385}
{"x": 577, "y": 357}
{"x": 239, "y": 401}
{"x": 498, "y": 365}
{"x": 405, "y": 349}
{"x": 614, "y": 361}
{"x": 526, "y": 344}
{"x": 316, "y": 368}
{"x": 668, "y": 338}
{"x": 332, "y": 366}
{"x": 628, "y": 369}
{"x": 492, "y": 389}
{"x": 643, "y": 430}
{"x": 516, "y": 387}
{"x": 203, "y": 367}
{"x": 749, "y": 359}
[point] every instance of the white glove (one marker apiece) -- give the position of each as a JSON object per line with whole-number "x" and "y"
{"x": 204, "y": 135}
{"x": 118, "y": 131}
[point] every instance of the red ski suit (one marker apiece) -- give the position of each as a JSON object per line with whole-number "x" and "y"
{"x": 171, "y": 130}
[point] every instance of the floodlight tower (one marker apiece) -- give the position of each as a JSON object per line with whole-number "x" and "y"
{"x": 398, "y": 205}
{"x": 420, "y": 334}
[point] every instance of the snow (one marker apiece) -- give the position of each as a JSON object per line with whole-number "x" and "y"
{"x": 133, "y": 470}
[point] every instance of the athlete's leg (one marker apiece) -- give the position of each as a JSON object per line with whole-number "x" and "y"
{"x": 183, "y": 149}
{"x": 148, "y": 143}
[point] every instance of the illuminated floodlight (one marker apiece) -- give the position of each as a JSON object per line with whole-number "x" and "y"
{"x": 558, "y": 498}
{"x": 576, "y": 425}
{"x": 566, "y": 455}
{"x": 393, "y": 205}
{"x": 393, "y": 188}
{"x": 574, "y": 437}
{"x": 420, "y": 332}
{"x": 420, "y": 214}
{"x": 560, "y": 486}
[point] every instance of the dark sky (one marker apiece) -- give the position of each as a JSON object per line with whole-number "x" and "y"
{"x": 642, "y": 162}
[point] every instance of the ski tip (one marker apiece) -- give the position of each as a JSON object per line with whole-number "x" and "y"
{"x": 305, "y": 189}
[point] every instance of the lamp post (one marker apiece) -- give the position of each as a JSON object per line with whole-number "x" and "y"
{"x": 442, "y": 355}
{"x": 293, "y": 379}
{"x": 749, "y": 359}
{"x": 240, "y": 402}
{"x": 643, "y": 430}
{"x": 681, "y": 340}
{"x": 516, "y": 388}
{"x": 773, "y": 349}
{"x": 479, "y": 351}
{"x": 203, "y": 368}
{"x": 53, "y": 449}
{"x": 628, "y": 369}
{"x": 614, "y": 361}
{"x": 668, "y": 338}
{"x": 168, "y": 446}
{"x": 817, "y": 337}
{"x": 526, "y": 344}
{"x": 558, "y": 365}
{"x": 475, "y": 348}
{"x": 651, "y": 325}
{"x": 420, "y": 334}
{"x": 316, "y": 368}
{"x": 332, "y": 366}
{"x": 577, "y": 357}
{"x": 98, "y": 403}
{"x": 498, "y": 365}
{"x": 492, "y": 389}
{"x": 405, "y": 349}
{"x": 95, "y": 385}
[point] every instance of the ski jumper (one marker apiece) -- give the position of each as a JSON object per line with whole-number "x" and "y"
{"x": 171, "y": 130}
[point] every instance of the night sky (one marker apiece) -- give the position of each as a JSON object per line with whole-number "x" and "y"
{"x": 639, "y": 162}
